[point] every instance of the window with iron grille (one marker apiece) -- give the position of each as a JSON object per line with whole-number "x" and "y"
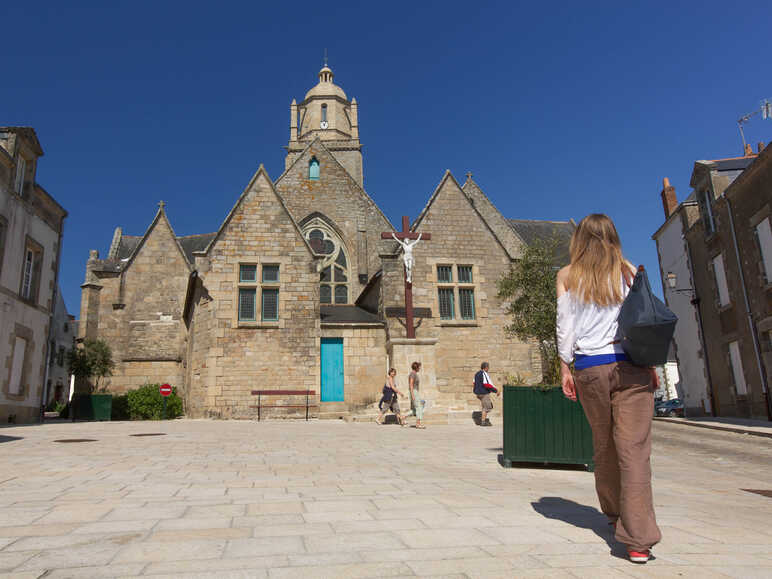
{"x": 466, "y": 303}
{"x": 247, "y": 304}
{"x": 270, "y": 273}
{"x": 446, "y": 303}
{"x": 247, "y": 273}
{"x": 445, "y": 273}
{"x": 270, "y": 311}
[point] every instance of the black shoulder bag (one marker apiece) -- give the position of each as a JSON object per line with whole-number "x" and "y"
{"x": 646, "y": 325}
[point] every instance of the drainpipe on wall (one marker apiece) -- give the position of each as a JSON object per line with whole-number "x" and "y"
{"x": 51, "y": 329}
{"x": 751, "y": 325}
{"x": 696, "y": 305}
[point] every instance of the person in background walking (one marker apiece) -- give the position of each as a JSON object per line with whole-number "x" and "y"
{"x": 416, "y": 403}
{"x": 617, "y": 397}
{"x": 389, "y": 399}
{"x": 483, "y": 386}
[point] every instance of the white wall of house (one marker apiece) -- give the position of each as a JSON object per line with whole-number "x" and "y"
{"x": 23, "y": 323}
{"x": 691, "y": 382}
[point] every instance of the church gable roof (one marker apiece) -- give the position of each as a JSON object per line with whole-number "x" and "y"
{"x": 507, "y": 236}
{"x": 261, "y": 176}
{"x": 162, "y": 219}
{"x": 448, "y": 180}
{"x": 305, "y": 157}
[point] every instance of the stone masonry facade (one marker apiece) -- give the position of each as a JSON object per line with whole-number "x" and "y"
{"x": 173, "y": 308}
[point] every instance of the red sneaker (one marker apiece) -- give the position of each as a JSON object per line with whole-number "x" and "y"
{"x": 639, "y": 556}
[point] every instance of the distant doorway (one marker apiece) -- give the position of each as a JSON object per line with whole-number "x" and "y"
{"x": 332, "y": 370}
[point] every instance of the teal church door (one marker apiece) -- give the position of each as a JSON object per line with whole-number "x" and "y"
{"x": 332, "y": 369}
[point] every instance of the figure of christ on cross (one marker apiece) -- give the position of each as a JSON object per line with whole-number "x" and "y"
{"x": 402, "y": 237}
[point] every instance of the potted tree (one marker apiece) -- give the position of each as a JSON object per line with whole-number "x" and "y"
{"x": 90, "y": 362}
{"x": 540, "y": 424}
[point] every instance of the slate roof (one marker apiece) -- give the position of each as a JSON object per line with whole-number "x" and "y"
{"x": 531, "y": 231}
{"x": 732, "y": 164}
{"x": 127, "y": 245}
{"x": 191, "y": 243}
{"x": 347, "y": 315}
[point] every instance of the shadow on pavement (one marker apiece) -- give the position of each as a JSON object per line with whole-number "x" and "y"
{"x": 538, "y": 465}
{"x": 4, "y": 438}
{"x": 580, "y": 516}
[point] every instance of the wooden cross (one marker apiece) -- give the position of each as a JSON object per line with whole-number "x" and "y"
{"x": 402, "y": 235}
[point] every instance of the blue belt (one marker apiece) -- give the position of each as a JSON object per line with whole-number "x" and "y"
{"x": 581, "y": 361}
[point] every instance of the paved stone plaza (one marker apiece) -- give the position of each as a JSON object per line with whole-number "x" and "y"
{"x": 336, "y": 499}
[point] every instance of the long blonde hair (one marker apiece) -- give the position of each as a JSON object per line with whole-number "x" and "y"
{"x": 597, "y": 264}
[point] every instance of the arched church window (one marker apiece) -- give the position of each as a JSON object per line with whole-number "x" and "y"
{"x": 324, "y": 113}
{"x": 333, "y": 276}
{"x": 313, "y": 169}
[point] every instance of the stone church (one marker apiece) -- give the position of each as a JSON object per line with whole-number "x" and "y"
{"x": 298, "y": 291}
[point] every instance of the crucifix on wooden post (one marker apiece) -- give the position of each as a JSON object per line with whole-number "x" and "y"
{"x": 407, "y": 257}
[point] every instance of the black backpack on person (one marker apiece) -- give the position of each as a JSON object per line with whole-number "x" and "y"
{"x": 646, "y": 325}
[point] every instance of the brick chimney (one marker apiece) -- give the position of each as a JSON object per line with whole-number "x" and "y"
{"x": 669, "y": 202}
{"x": 748, "y": 150}
{"x": 760, "y": 147}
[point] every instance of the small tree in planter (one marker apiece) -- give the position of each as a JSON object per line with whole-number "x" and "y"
{"x": 540, "y": 424}
{"x": 529, "y": 288}
{"x": 92, "y": 359}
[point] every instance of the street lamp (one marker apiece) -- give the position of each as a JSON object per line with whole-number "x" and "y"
{"x": 671, "y": 283}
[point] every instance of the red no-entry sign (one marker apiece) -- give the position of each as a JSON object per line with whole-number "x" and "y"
{"x": 165, "y": 389}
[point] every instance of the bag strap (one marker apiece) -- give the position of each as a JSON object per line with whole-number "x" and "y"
{"x": 628, "y": 275}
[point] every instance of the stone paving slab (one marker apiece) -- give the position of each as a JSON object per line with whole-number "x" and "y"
{"x": 335, "y": 499}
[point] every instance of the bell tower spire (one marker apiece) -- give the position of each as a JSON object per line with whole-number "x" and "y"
{"x": 326, "y": 113}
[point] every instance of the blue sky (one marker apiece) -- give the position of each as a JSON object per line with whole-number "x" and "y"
{"x": 559, "y": 109}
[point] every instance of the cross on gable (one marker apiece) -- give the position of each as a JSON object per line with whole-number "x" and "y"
{"x": 405, "y": 233}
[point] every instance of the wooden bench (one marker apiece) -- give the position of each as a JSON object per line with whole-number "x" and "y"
{"x": 261, "y": 393}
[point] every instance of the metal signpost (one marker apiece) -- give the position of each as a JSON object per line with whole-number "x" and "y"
{"x": 165, "y": 390}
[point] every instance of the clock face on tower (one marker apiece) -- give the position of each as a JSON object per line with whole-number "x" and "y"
{"x": 323, "y": 124}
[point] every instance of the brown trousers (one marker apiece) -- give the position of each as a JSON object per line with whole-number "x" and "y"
{"x": 618, "y": 399}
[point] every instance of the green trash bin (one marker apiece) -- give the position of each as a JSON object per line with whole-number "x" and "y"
{"x": 92, "y": 406}
{"x": 543, "y": 426}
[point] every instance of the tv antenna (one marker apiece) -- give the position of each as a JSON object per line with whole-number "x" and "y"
{"x": 766, "y": 113}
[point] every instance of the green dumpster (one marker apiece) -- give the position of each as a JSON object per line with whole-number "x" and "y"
{"x": 92, "y": 406}
{"x": 542, "y": 425}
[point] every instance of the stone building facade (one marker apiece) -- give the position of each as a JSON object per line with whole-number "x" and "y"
{"x": 728, "y": 233}
{"x": 31, "y": 225}
{"x": 693, "y": 384}
{"x": 297, "y": 290}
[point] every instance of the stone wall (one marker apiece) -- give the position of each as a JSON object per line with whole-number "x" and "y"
{"x": 364, "y": 364}
{"x": 337, "y": 196}
{"x": 230, "y": 358}
{"x": 751, "y": 199}
{"x": 460, "y": 237}
{"x": 136, "y": 307}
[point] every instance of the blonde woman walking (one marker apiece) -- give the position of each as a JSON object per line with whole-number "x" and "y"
{"x": 617, "y": 397}
{"x": 416, "y": 403}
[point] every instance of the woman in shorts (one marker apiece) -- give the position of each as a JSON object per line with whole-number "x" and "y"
{"x": 389, "y": 399}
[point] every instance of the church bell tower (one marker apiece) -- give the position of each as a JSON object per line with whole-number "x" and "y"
{"x": 326, "y": 113}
